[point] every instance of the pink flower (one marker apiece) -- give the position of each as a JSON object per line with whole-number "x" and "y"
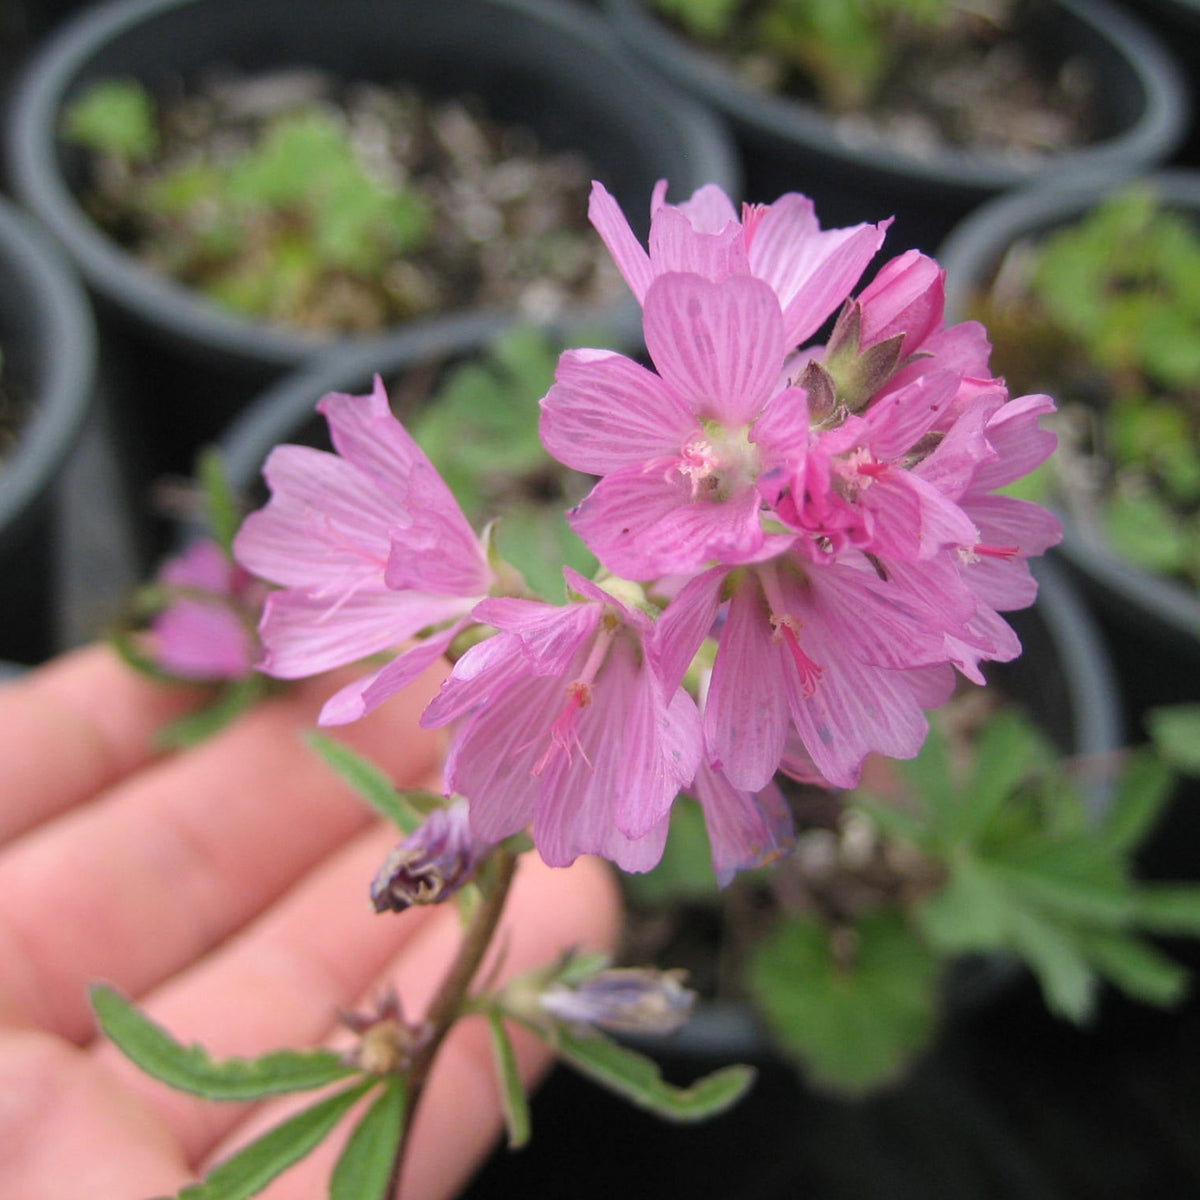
{"x": 680, "y": 451}
{"x": 810, "y": 270}
{"x": 369, "y": 547}
{"x": 571, "y": 721}
{"x": 206, "y": 631}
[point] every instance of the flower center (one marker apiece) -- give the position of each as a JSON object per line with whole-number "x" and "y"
{"x": 718, "y": 462}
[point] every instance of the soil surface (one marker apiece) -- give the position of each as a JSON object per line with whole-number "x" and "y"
{"x": 509, "y": 216}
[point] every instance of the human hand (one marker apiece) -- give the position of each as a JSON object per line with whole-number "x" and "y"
{"x": 224, "y": 889}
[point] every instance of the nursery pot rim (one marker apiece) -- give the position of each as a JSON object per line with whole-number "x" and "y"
{"x": 185, "y": 315}
{"x": 1159, "y": 128}
{"x": 968, "y": 253}
{"x": 62, "y": 399}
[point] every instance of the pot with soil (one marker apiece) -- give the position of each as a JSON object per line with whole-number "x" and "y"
{"x": 533, "y": 95}
{"x": 921, "y": 114}
{"x": 47, "y": 384}
{"x": 1094, "y": 301}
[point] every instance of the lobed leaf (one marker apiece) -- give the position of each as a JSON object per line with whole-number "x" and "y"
{"x": 512, "y": 1091}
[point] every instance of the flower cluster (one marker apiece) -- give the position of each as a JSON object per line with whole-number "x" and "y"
{"x": 799, "y": 545}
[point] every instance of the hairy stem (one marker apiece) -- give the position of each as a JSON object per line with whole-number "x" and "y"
{"x": 447, "y": 1004}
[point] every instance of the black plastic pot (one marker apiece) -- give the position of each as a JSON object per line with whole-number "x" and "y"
{"x": 791, "y": 146}
{"x": 48, "y": 340}
{"x": 1152, "y": 623}
{"x": 541, "y": 63}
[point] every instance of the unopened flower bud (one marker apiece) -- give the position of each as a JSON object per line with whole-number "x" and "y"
{"x": 624, "y": 1000}
{"x": 431, "y": 864}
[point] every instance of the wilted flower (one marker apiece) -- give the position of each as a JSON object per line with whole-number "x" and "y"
{"x": 431, "y": 864}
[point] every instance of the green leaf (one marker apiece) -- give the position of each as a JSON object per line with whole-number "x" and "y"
{"x": 968, "y": 914}
{"x": 639, "y": 1080}
{"x": 220, "y": 505}
{"x": 364, "y": 1169}
{"x": 195, "y": 727}
{"x": 1006, "y": 751}
{"x": 1176, "y": 733}
{"x": 512, "y": 1090}
{"x": 1136, "y": 967}
{"x": 191, "y": 1069}
{"x": 248, "y": 1171}
{"x": 1144, "y": 787}
{"x": 1168, "y": 908}
{"x": 114, "y": 116}
{"x": 1067, "y": 981}
{"x": 403, "y": 809}
{"x": 854, "y": 1018}
{"x": 1098, "y": 900}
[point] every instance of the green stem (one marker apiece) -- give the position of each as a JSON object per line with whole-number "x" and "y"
{"x": 447, "y": 1004}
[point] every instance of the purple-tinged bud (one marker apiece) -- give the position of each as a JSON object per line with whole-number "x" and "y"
{"x": 431, "y": 864}
{"x": 624, "y": 1000}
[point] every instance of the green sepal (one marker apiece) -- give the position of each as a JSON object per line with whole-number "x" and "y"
{"x": 512, "y": 1091}
{"x": 364, "y": 1169}
{"x": 253, "y": 1167}
{"x": 639, "y": 1079}
{"x": 191, "y": 1069}
{"x": 406, "y": 810}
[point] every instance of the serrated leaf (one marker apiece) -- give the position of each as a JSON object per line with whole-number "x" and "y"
{"x": 371, "y": 784}
{"x": 1176, "y": 733}
{"x": 639, "y": 1079}
{"x": 192, "y": 1069}
{"x": 512, "y": 1091}
{"x": 857, "y": 1024}
{"x": 248, "y": 1171}
{"x": 364, "y": 1168}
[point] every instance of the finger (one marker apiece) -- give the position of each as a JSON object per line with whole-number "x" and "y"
{"x": 280, "y": 983}
{"x": 550, "y": 910}
{"x": 166, "y": 865}
{"x": 67, "y": 1128}
{"x": 74, "y": 727}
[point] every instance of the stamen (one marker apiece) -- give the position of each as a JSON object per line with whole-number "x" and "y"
{"x": 788, "y": 627}
{"x": 562, "y": 733}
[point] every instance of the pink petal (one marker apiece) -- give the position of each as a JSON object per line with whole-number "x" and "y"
{"x": 745, "y": 712}
{"x": 718, "y": 345}
{"x": 812, "y": 271}
{"x": 325, "y": 521}
{"x": 367, "y": 694}
{"x": 746, "y": 829}
{"x": 676, "y": 245}
{"x": 609, "y": 222}
{"x": 642, "y": 525}
{"x": 605, "y": 412}
{"x": 305, "y": 633}
{"x": 709, "y": 209}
